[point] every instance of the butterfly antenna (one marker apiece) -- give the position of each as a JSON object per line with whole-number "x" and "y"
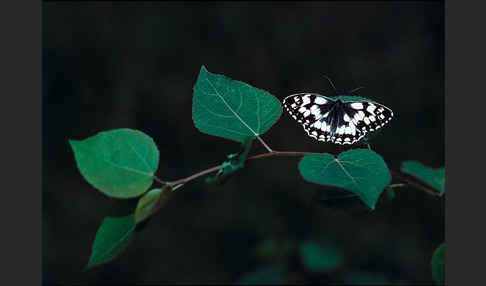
{"x": 356, "y": 89}
{"x": 330, "y": 81}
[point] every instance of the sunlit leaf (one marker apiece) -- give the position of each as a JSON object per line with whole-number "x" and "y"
{"x": 120, "y": 163}
{"x": 232, "y": 109}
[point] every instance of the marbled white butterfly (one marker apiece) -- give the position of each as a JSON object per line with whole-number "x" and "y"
{"x": 335, "y": 120}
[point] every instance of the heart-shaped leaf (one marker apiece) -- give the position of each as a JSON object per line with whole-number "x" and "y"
{"x": 438, "y": 265}
{"x": 112, "y": 237}
{"x": 120, "y": 163}
{"x": 232, "y": 109}
{"x": 361, "y": 171}
{"x": 432, "y": 177}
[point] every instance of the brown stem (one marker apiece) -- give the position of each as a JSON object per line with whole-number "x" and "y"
{"x": 215, "y": 168}
{"x": 293, "y": 153}
{"x": 279, "y": 153}
{"x": 159, "y": 180}
{"x": 202, "y": 173}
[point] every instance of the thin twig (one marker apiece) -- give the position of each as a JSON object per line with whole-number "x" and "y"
{"x": 294, "y": 153}
{"x": 215, "y": 168}
{"x": 202, "y": 173}
{"x": 279, "y": 153}
{"x": 159, "y": 180}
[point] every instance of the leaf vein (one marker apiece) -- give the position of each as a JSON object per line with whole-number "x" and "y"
{"x": 229, "y": 107}
{"x": 138, "y": 155}
{"x": 116, "y": 243}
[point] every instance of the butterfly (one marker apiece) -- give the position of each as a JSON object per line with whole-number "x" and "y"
{"x": 336, "y": 120}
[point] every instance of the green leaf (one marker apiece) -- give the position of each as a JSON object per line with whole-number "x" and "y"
{"x": 323, "y": 256}
{"x": 233, "y": 164}
{"x": 361, "y": 171}
{"x": 438, "y": 264}
{"x": 232, "y": 109}
{"x": 151, "y": 202}
{"x": 113, "y": 236}
{"x": 270, "y": 275}
{"x": 432, "y": 177}
{"x": 120, "y": 163}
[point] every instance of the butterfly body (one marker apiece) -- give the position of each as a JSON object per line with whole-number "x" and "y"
{"x": 336, "y": 120}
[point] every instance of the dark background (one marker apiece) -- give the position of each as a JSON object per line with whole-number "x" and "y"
{"x": 108, "y": 66}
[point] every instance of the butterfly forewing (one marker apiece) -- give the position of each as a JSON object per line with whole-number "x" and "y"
{"x": 307, "y": 107}
{"x": 329, "y": 120}
{"x": 311, "y": 110}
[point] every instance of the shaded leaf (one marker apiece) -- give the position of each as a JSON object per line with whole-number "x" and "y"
{"x": 120, "y": 163}
{"x": 112, "y": 237}
{"x": 320, "y": 256}
{"x": 232, "y": 109}
{"x": 270, "y": 275}
{"x": 388, "y": 195}
{"x": 151, "y": 202}
{"x": 438, "y": 265}
{"x": 360, "y": 171}
{"x": 432, "y": 177}
{"x": 233, "y": 164}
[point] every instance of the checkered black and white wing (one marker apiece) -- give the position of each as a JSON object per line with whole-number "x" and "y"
{"x": 329, "y": 120}
{"x": 367, "y": 116}
{"x": 312, "y": 111}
